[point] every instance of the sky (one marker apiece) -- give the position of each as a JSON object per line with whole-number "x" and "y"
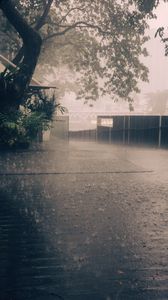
{"x": 162, "y": 16}
{"x": 157, "y": 62}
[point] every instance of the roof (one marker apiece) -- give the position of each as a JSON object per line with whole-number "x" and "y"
{"x": 6, "y": 63}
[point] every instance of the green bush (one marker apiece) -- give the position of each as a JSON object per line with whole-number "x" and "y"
{"x": 20, "y": 127}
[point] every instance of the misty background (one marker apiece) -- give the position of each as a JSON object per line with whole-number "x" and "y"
{"x": 153, "y": 98}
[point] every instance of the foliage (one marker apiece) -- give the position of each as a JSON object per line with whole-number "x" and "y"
{"x": 148, "y": 7}
{"x": 100, "y": 40}
{"x": 40, "y": 102}
{"x": 21, "y": 127}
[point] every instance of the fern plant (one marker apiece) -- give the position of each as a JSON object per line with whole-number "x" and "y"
{"x": 20, "y": 127}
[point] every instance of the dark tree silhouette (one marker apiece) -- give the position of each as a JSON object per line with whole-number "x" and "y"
{"x": 13, "y": 86}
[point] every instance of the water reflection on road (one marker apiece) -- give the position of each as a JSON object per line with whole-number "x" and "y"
{"x": 82, "y": 222}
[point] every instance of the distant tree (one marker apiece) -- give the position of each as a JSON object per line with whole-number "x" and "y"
{"x": 100, "y": 40}
{"x": 157, "y": 102}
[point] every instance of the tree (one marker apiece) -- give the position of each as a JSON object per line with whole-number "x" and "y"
{"x": 100, "y": 40}
{"x": 13, "y": 86}
{"x": 157, "y": 102}
{"x": 20, "y": 118}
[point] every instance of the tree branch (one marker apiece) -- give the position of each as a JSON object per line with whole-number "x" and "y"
{"x": 42, "y": 19}
{"x": 79, "y": 25}
{"x": 37, "y": 27}
{"x": 66, "y": 15}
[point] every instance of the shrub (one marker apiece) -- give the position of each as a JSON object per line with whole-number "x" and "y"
{"x": 18, "y": 128}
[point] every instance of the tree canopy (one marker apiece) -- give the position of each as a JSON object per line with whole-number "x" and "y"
{"x": 103, "y": 41}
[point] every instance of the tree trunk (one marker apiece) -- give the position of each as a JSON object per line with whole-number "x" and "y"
{"x": 13, "y": 86}
{"x": 19, "y": 56}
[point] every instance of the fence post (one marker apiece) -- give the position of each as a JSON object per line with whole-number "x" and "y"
{"x": 124, "y": 131}
{"x": 128, "y": 130}
{"x": 160, "y": 132}
{"x": 109, "y": 135}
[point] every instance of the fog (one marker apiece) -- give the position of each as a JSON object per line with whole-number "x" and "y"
{"x": 85, "y": 217}
{"x": 83, "y": 116}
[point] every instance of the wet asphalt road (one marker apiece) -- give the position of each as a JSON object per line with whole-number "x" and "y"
{"x": 84, "y": 221}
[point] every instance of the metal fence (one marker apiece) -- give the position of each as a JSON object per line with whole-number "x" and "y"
{"x": 137, "y": 129}
{"x": 89, "y": 134}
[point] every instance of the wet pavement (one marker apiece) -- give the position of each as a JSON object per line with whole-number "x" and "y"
{"x": 84, "y": 221}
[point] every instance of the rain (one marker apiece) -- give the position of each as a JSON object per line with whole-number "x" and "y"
{"x": 84, "y": 211}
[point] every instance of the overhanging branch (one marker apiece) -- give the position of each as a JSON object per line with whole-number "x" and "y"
{"x": 66, "y": 15}
{"x": 79, "y": 24}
